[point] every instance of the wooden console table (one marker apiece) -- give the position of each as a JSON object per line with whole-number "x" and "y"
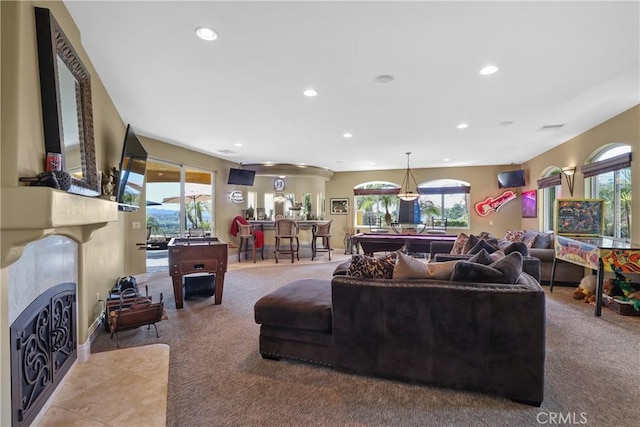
{"x": 197, "y": 255}
{"x": 599, "y": 254}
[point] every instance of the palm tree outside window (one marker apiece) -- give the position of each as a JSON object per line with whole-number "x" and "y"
{"x": 614, "y": 187}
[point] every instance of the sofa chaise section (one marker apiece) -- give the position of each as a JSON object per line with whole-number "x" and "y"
{"x": 468, "y": 336}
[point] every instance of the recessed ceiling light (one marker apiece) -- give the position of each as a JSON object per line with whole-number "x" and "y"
{"x": 237, "y": 144}
{"x": 383, "y": 79}
{"x": 373, "y": 163}
{"x": 489, "y": 69}
{"x": 462, "y": 126}
{"x": 347, "y": 135}
{"x": 206, "y": 33}
{"x": 310, "y": 92}
{"x": 446, "y": 160}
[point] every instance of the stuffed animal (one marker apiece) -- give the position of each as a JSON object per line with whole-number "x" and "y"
{"x": 586, "y": 289}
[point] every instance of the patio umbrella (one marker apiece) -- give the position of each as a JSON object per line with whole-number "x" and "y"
{"x": 191, "y": 202}
{"x": 188, "y": 198}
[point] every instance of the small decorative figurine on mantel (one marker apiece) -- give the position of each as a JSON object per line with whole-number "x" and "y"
{"x": 108, "y": 184}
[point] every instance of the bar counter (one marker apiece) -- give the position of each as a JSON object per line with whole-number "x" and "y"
{"x": 305, "y": 235}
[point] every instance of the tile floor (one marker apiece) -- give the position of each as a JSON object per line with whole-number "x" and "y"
{"x": 125, "y": 387}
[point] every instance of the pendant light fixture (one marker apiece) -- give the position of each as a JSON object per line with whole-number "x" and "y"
{"x": 405, "y": 193}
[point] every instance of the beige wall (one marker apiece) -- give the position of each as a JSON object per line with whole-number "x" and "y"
{"x": 623, "y": 128}
{"x": 483, "y": 180}
{"x": 22, "y": 149}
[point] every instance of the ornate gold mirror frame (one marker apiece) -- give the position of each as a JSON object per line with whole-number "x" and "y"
{"x": 67, "y": 113}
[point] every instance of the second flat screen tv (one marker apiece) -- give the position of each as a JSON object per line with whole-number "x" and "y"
{"x": 241, "y": 177}
{"x": 511, "y": 179}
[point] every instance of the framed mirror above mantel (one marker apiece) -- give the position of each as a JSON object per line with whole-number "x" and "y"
{"x": 67, "y": 112}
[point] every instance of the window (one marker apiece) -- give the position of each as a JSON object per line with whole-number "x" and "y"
{"x": 269, "y": 205}
{"x": 551, "y": 186}
{"x": 608, "y": 177}
{"x": 376, "y": 203}
{"x": 448, "y": 198}
{"x": 252, "y": 199}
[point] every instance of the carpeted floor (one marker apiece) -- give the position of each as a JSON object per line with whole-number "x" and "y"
{"x": 217, "y": 377}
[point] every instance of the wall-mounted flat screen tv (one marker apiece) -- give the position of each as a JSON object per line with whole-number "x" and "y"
{"x": 241, "y": 177}
{"x": 511, "y": 179}
{"x": 133, "y": 165}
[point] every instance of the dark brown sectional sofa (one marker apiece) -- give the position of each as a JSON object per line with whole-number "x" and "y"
{"x": 483, "y": 337}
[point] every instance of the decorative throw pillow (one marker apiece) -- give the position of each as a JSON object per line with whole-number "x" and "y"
{"x": 441, "y": 270}
{"x": 516, "y": 247}
{"x": 482, "y": 257}
{"x": 543, "y": 241}
{"x": 482, "y": 245}
{"x": 493, "y": 242}
{"x": 530, "y": 237}
{"x": 497, "y": 255}
{"x": 514, "y": 235}
{"x": 408, "y": 267}
{"x": 461, "y": 240}
{"x": 465, "y": 271}
{"x": 342, "y": 268}
{"x": 471, "y": 242}
{"x": 372, "y": 268}
{"x": 486, "y": 235}
{"x": 510, "y": 267}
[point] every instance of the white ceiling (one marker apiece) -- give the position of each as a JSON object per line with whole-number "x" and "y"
{"x": 575, "y": 63}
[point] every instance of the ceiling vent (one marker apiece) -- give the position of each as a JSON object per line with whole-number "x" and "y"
{"x": 551, "y": 127}
{"x": 227, "y": 152}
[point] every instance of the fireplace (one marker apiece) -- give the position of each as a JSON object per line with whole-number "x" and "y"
{"x": 43, "y": 234}
{"x": 42, "y": 311}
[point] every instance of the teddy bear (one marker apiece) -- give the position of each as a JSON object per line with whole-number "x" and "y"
{"x": 586, "y": 290}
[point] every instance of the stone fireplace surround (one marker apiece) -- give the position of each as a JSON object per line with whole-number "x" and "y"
{"x": 42, "y": 233}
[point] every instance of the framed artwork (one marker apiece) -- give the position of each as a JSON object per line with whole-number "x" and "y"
{"x": 529, "y": 206}
{"x": 579, "y": 217}
{"x": 339, "y": 206}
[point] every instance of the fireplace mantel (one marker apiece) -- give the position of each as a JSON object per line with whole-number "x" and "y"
{"x": 31, "y": 213}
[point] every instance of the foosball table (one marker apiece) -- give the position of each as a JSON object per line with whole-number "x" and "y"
{"x": 196, "y": 256}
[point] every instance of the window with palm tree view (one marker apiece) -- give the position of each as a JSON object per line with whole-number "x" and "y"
{"x": 614, "y": 187}
{"x": 377, "y": 203}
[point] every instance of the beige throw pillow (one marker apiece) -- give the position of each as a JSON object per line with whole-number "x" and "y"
{"x": 410, "y": 268}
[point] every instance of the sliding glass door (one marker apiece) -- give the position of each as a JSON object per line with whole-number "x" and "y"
{"x": 179, "y": 204}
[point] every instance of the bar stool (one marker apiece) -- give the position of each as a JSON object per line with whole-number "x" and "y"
{"x": 247, "y": 237}
{"x": 322, "y": 231}
{"x": 287, "y": 229}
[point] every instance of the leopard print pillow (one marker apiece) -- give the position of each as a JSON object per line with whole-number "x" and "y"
{"x": 372, "y": 268}
{"x": 514, "y": 235}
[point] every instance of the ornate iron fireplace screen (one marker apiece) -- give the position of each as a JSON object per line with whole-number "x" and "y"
{"x": 43, "y": 348}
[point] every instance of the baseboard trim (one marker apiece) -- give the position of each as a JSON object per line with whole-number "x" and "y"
{"x": 84, "y": 349}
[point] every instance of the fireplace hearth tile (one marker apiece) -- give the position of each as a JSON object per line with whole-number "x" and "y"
{"x": 93, "y": 391}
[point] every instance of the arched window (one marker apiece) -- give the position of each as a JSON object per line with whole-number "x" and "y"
{"x": 375, "y": 200}
{"x": 608, "y": 177}
{"x": 551, "y": 186}
{"x": 448, "y": 198}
